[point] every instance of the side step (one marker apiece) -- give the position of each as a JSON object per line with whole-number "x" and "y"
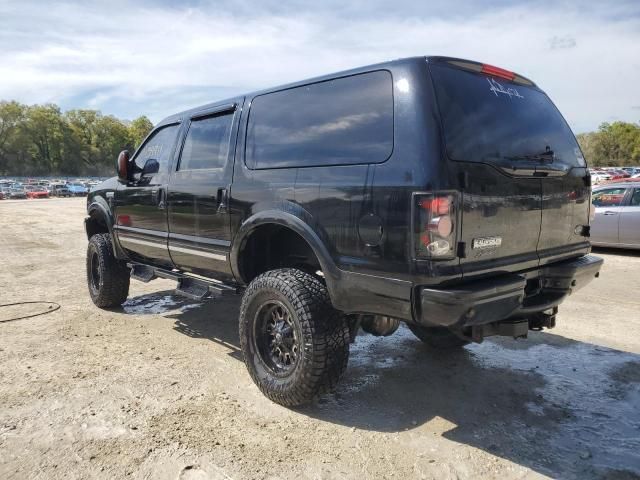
{"x": 191, "y": 287}
{"x": 193, "y": 290}
{"x": 142, "y": 273}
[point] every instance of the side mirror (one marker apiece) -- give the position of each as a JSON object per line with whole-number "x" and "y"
{"x": 151, "y": 167}
{"x": 122, "y": 166}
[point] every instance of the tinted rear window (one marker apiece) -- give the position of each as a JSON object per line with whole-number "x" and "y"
{"x": 337, "y": 122}
{"x": 485, "y": 119}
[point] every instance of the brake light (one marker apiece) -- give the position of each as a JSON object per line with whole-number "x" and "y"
{"x": 434, "y": 225}
{"x": 497, "y": 72}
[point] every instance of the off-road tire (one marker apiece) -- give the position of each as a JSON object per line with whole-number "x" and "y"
{"x": 323, "y": 335}
{"x": 107, "y": 277}
{"x": 437, "y": 337}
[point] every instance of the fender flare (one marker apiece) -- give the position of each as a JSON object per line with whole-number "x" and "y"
{"x": 99, "y": 207}
{"x": 332, "y": 273}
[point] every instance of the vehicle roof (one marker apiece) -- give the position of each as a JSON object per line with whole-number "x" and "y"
{"x": 619, "y": 185}
{"x": 367, "y": 68}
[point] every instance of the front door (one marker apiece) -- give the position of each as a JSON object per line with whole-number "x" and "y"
{"x": 140, "y": 207}
{"x": 199, "y": 232}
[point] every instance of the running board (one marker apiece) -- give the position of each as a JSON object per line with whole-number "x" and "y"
{"x": 195, "y": 288}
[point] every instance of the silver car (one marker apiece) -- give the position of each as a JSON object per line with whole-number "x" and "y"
{"x": 617, "y": 215}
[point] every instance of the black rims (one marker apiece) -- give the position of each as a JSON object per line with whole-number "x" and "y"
{"x": 276, "y": 339}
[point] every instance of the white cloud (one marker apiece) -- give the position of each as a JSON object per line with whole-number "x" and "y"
{"x": 153, "y": 59}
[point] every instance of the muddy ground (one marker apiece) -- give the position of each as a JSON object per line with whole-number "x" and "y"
{"x": 158, "y": 389}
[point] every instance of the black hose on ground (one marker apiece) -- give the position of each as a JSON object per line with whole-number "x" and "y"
{"x": 53, "y": 306}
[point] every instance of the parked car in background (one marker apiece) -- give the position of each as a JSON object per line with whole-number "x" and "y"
{"x": 617, "y": 215}
{"x": 60, "y": 190}
{"x": 37, "y": 191}
{"x": 599, "y": 177}
{"x": 17, "y": 193}
{"x": 1, "y": 195}
{"x": 631, "y": 170}
{"x": 77, "y": 189}
{"x": 617, "y": 174}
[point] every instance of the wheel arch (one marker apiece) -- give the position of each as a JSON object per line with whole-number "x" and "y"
{"x": 100, "y": 220}
{"x": 288, "y": 222}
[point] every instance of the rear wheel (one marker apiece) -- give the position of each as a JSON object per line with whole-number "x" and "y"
{"x": 437, "y": 337}
{"x": 107, "y": 277}
{"x": 295, "y": 344}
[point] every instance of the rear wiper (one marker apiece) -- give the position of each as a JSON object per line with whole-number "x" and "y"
{"x": 546, "y": 156}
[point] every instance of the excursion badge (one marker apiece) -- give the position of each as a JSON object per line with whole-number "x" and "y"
{"x": 486, "y": 242}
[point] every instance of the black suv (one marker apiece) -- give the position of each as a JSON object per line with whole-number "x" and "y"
{"x": 440, "y": 192}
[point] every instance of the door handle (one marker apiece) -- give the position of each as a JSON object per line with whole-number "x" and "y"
{"x": 222, "y": 197}
{"x": 159, "y": 197}
{"x": 609, "y": 212}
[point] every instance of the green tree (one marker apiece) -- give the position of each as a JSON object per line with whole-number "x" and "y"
{"x": 139, "y": 129}
{"x": 46, "y": 129}
{"x": 614, "y": 144}
{"x": 11, "y": 118}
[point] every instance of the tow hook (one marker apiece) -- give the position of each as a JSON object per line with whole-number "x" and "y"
{"x": 546, "y": 319}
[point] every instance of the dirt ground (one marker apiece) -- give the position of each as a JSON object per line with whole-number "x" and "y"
{"x": 158, "y": 389}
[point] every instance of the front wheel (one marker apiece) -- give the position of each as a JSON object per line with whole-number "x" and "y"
{"x": 107, "y": 277}
{"x": 437, "y": 337}
{"x": 295, "y": 344}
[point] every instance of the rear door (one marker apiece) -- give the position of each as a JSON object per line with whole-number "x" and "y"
{"x": 606, "y": 223}
{"x": 629, "y": 227}
{"x": 518, "y": 164}
{"x": 199, "y": 232}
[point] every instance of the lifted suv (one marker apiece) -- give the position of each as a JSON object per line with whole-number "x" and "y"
{"x": 444, "y": 193}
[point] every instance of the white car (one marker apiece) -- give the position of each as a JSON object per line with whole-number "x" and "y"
{"x": 599, "y": 177}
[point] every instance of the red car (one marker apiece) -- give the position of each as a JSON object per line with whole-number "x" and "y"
{"x": 618, "y": 174}
{"x": 37, "y": 192}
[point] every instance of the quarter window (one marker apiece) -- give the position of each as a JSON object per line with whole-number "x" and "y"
{"x": 207, "y": 143}
{"x": 337, "y": 122}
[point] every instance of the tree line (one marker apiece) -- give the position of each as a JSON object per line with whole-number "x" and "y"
{"x": 613, "y": 144}
{"x": 42, "y": 140}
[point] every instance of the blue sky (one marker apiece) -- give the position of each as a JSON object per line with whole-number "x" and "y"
{"x": 156, "y": 58}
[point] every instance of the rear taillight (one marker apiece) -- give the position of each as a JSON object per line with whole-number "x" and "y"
{"x": 434, "y": 225}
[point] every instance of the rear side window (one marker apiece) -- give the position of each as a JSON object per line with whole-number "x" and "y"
{"x": 491, "y": 120}
{"x": 207, "y": 143}
{"x": 158, "y": 147}
{"x": 338, "y": 122}
{"x": 610, "y": 197}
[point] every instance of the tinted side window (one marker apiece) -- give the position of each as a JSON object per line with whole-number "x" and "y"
{"x": 338, "y": 122}
{"x": 635, "y": 198}
{"x": 207, "y": 143}
{"x": 158, "y": 147}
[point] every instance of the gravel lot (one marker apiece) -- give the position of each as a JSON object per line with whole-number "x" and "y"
{"x": 158, "y": 389}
